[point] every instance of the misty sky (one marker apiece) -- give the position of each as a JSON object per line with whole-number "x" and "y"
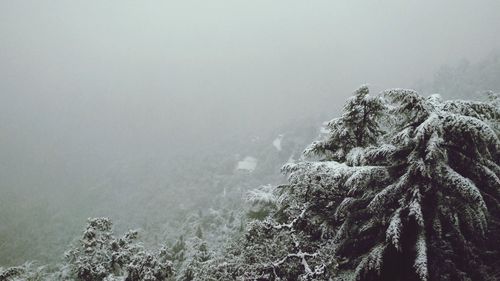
{"x": 83, "y": 83}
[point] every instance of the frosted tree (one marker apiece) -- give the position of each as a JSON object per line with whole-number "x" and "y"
{"x": 179, "y": 250}
{"x": 197, "y": 254}
{"x": 357, "y": 127}
{"x": 419, "y": 202}
{"x": 101, "y": 256}
{"x": 28, "y": 271}
{"x": 262, "y": 201}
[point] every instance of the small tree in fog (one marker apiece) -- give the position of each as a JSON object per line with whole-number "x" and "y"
{"x": 197, "y": 254}
{"x": 99, "y": 256}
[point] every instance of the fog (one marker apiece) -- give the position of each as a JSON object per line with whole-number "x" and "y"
{"x": 89, "y": 85}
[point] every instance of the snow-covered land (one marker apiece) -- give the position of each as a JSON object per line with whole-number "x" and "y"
{"x": 277, "y": 142}
{"x": 248, "y": 164}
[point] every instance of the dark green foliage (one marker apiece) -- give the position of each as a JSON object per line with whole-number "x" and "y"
{"x": 357, "y": 127}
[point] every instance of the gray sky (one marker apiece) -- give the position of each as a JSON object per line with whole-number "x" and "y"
{"x": 83, "y": 83}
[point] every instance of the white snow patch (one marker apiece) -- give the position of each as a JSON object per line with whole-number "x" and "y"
{"x": 247, "y": 164}
{"x": 277, "y": 142}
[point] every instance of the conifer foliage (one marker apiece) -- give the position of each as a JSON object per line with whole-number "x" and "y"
{"x": 407, "y": 188}
{"x": 101, "y": 256}
{"x": 357, "y": 127}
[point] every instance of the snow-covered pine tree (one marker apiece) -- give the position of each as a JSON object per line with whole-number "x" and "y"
{"x": 357, "y": 127}
{"x": 420, "y": 203}
{"x": 179, "y": 250}
{"x": 101, "y": 256}
{"x": 197, "y": 254}
{"x": 29, "y": 271}
{"x": 414, "y": 199}
{"x": 92, "y": 259}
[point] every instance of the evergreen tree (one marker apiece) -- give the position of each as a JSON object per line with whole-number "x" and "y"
{"x": 198, "y": 254}
{"x": 199, "y": 232}
{"x": 357, "y": 127}
{"x": 178, "y": 250}
{"x": 101, "y": 256}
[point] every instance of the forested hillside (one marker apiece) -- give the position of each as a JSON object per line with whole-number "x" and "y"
{"x": 398, "y": 187}
{"x": 165, "y": 197}
{"x": 222, "y": 140}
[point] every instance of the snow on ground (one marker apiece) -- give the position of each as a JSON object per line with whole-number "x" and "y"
{"x": 277, "y": 142}
{"x": 247, "y": 164}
